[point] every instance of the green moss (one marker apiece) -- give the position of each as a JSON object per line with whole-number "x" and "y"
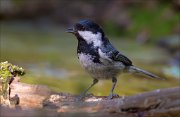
{"x": 154, "y": 21}
{"x": 7, "y": 71}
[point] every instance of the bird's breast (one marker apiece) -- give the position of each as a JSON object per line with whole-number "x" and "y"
{"x": 88, "y": 61}
{"x": 98, "y": 70}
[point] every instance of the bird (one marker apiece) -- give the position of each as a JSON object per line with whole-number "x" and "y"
{"x": 99, "y": 57}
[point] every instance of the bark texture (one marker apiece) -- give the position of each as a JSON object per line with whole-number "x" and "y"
{"x": 38, "y": 100}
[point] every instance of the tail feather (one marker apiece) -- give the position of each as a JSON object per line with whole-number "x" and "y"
{"x": 133, "y": 69}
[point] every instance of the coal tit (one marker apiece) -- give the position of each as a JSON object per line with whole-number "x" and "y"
{"x": 98, "y": 56}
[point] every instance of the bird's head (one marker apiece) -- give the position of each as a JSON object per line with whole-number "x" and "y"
{"x": 87, "y": 30}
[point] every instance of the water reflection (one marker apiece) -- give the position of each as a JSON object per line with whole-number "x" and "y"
{"x": 46, "y": 70}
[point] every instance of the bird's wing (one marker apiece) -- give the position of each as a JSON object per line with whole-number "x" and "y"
{"x": 108, "y": 52}
{"x": 117, "y": 56}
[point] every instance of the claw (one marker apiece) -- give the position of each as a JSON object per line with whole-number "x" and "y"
{"x": 79, "y": 98}
{"x": 111, "y": 96}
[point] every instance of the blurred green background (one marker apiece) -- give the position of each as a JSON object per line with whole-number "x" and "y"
{"x": 32, "y": 35}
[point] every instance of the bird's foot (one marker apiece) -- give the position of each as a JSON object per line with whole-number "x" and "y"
{"x": 80, "y": 97}
{"x": 111, "y": 96}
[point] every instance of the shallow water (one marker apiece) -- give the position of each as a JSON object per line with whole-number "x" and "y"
{"x": 47, "y": 70}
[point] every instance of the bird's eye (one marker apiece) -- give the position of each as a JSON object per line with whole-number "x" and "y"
{"x": 80, "y": 27}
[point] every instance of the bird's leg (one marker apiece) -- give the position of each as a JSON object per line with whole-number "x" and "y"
{"x": 84, "y": 92}
{"x": 111, "y": 95}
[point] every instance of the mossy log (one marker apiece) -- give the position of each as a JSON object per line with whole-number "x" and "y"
{"x": 7, "y": 74}
{"x": 38, "y": 101}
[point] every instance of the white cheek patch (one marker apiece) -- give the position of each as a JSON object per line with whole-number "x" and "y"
{"x": 90, "y": 37}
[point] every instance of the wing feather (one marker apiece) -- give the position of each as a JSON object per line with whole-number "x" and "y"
{"x": 117, "y": 56}
{"x": 109, "y": 53}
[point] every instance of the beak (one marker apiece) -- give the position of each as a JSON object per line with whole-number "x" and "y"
{"x": 70, "y": 30}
